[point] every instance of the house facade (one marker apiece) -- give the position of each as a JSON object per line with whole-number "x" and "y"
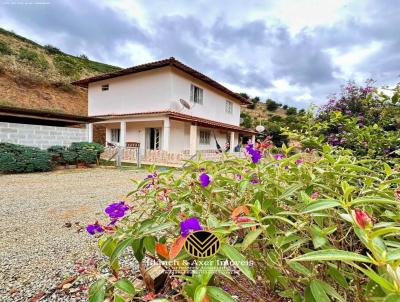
{"x": 166, "y": 105}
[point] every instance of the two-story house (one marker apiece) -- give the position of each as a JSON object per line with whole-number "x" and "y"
{"x": 165, "y": 105}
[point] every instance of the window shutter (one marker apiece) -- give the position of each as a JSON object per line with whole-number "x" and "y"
{"x": 192, "y": 93}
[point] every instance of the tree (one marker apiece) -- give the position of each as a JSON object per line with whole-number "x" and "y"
{"x": 271, "y": 105}
{"x": 291, "y": 111}
{"x": 246, "y": 120}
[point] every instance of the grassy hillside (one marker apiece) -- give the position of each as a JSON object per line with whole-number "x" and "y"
{"x": 38, "y": 77}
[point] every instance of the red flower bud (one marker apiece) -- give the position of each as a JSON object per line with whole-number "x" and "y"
{"x": 362, "y": 218}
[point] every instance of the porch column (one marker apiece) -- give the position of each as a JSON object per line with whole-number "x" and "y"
{"x": 108, "y": 135}
{"x": 122, "y": 138}
{"x": 193, "y": 139}
{"x": 232, "y": 142}
{"x": 253, "y": 140}
{"x": 166, "y": 134}
{"x": 89, "y": 130}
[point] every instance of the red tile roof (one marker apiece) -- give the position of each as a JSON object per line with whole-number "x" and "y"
{"x": 185, "y": 118}
{"x": 158, "y": 64}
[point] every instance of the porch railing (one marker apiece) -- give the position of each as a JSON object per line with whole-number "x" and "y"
{"x": 161, "y": 157}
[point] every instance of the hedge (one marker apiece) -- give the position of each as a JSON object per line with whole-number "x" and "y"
{"x": 20, "y": 159}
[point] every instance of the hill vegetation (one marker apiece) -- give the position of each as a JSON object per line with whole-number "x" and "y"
{"x": 273, "y": 116}
{"x": 38, "y": 77}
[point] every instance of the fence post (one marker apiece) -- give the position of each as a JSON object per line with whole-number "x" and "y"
{"x": 119, "y": 156}
{"x": 138, "y": 156}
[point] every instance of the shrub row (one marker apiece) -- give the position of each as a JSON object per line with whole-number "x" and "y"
{"x": 23, "y": 159}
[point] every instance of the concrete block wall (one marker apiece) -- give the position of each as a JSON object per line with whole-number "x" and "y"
{"x": 40, "y": 136}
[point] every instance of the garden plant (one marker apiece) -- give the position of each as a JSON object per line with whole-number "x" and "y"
{"x": 308, "y": 226}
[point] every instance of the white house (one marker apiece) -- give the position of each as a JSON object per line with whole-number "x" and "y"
{"x": 165, "y": 105}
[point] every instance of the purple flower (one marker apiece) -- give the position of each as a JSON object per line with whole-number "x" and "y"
{"x": 238, "y": 177}
{"x": 94, "y": 228}
{"x": 286, "y": 167}
{"x": 299, "y": 161}
{"x": 117, "y": 210}
{"x": 204, "y": 179}
{"x": 202, "y": 170}
{"x": 189, "y": 225}
{"x": 154, "y": 175}
{"x": 279, "y": 156}
{"x": 254, "y": 154}
{"x": 254, "y": 181}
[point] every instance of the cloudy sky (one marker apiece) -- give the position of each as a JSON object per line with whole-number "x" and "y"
{"x": 294, "y": 51}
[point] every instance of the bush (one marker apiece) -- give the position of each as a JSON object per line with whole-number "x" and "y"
{"x": 33, "y": 58}
{"x": 87, "y": 153}
{"x": 56, "y": 154}
{"x": 360, "y": 119}
{"x": 317, "y": 227}
{"x": 87, "y": 156}
{"x": 87, "y": 146}
{"x": 291, "y": 111}
{"x": 271, "y": 105}
{"x": 52, "y": 50}
{"x": 19, "y": 159}
{"x": 69, "y": 157}
{"x": 5, "y": 49}
{"x": 246, "y": 120}
{"x": 68, "y": 66}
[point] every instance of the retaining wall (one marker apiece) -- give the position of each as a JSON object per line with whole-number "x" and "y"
{"x": 40, "y": 136}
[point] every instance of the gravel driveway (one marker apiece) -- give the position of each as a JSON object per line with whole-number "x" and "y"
{"x": 42, "y": 216}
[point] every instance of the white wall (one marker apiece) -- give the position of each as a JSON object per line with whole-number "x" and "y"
{"x": 213, "y": 107}
{"x": 156, "y": 90}
{"x": 40, "y": 136}
{"x": 140, "y": 92}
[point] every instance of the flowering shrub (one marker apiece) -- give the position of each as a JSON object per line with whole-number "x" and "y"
{"x": 316, "y": 227}
{"x": 361, "y": 119}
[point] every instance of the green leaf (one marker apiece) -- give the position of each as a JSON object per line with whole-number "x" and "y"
{"x": 121, "y": 246}
{"x": 331, "y": 291}
{"x": 250, "y": 238}
{"x": 393, "y": 255}
{"x": 320, "y": 204}
{"x": 384, "y": 231}
{"x": 239, "y": 260}
{"x": 378, "y": 279}
{"x": 318, "y": 238}
{"x": 138, "y": 250}
{"x": 332, "y": 254}
{"x": 299, "y": 268}
{"x": 200, "y": 293}
{"x": 392, "y": 298}
{"x": 318, "y": 291}
{"x": 118, "y": 298}
{"x": 97, "y": 291}
{"x": 218, "y": 294}
{"x": 373, "y": 200}
{"x": 126, "y": 286}
{"x": 149, "y": 243}
{"x": 290, "y": 191}
{"x": 308, "y": 296}
{"x": 337, "y": 275}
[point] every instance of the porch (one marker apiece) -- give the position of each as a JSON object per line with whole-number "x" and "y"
{"x": 170, "y": 138}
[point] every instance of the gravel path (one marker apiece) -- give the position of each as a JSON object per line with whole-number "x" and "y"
{"x": 42, "y": 216}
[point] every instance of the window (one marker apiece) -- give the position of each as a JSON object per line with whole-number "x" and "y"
{"x": 196, "y": 94}
{"x": 228, "y": 107}
{"x": 104, "y": 87}
{"x": 115, "y": 133}
{"x": 205, "y": 136}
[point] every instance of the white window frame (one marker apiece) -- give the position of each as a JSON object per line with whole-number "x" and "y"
{"x": 228, "y": 107}
{"x": 196, "y": 94}
{"x": 204, "y": 137}
{"x": 115, "y": 133}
